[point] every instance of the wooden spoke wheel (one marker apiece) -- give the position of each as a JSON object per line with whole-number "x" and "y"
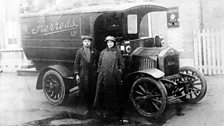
{"x": 194, "y": 85}
{"x": 149, "y": 96}
{"x": 54, "y": 87}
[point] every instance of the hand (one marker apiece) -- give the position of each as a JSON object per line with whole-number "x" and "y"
{"x": 120, "y": 70}
{"x": 77, "y": 78}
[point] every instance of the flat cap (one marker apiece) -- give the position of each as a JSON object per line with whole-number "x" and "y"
{"x": 86, "y": 37}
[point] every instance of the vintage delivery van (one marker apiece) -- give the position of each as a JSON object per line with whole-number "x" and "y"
{"x": 152, "y": 76}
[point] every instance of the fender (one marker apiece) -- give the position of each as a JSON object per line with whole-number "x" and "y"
{"x": 132, "y": 77}
{"x": 63, "y": 71}
{"x": 155, "y": 73}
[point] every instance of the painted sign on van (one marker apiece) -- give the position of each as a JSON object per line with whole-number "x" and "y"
{"x": 56, "y": 27}
{"x": 52, "y": 28}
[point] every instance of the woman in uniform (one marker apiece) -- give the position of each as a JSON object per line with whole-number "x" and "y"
{"x": 109, "y": 70}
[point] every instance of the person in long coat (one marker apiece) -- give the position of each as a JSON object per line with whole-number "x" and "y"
{"x": 85, "y": 67}
{"x": 109, "y": 70}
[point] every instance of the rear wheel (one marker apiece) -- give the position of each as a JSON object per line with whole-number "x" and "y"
{"x": 149, "y": 96}
{"x": 194, "y": 85}
{"x": 54, "y": 87}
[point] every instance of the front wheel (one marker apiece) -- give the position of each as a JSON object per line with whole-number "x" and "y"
{"x": 194, "y": 85}
{"x": 149, "y": 96}
{"x": 54, "y": 87}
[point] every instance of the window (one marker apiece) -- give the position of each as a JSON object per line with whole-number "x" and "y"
{"x": 132, "y": 24}
{"x": 12, "y": 32}
{"x": 12, "y": 41}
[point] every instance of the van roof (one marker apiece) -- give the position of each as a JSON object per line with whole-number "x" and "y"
{"x": 127, "y": 7}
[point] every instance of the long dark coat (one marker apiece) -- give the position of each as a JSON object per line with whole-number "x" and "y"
{"x": 110, "y": 66}
{"x": 87, "y": 71}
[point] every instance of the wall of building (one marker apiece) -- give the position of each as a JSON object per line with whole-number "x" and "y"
{"x": 182, "y": 37}
{"x": 2, "y": 21}
{"x": 213, "y": 14}
{"x": 193, "y": 16}
{"x": 11, "y": 54}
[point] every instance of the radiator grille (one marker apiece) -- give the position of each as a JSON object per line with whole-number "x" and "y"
{"x": 141, "y": 63}
{"x": 171, "y": 65}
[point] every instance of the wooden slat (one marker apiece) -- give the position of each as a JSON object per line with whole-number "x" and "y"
{"x": 200, "y": 51}
{"x": 204, "y": 44}
{"x": 209, "y": 64}
{"x": 196, "y": 48}
{"x": 218, "y": 51}
{"x": 222, "y": 50}
{"x": 209, "y": 51}
{"x": 213, "y": 52}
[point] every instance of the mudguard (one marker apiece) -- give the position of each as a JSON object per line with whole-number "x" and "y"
{"x": 63, "y": 71}
{"x": 155, "y": 73}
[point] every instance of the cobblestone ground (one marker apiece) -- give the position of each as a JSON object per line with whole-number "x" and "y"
{"x": 22, "y": 104}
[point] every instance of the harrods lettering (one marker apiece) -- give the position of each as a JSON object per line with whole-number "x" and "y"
{"x": 55, "y": 28}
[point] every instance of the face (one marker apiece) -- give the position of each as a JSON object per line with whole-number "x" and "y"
{"x": 86, "y": 43}
{"x": 110, "y": 44}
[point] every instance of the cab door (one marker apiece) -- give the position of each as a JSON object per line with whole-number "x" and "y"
{"x": 108, "y": 24}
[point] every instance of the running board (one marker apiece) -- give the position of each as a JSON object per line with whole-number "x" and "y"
{"x": 175, "y": 98}
{"x": 76, "y": 88}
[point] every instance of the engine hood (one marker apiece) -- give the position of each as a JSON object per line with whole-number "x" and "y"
{"x": 154, "y": 53}
{"x": 143, "y": 51}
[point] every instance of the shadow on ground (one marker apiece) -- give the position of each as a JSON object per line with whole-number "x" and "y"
{"x": 131, "y": 117}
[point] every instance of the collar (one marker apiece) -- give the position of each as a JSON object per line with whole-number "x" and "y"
{"x": 111, "y": 49}
{"x": 86, "y": 48}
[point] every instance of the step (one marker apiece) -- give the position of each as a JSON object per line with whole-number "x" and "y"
{"x": 27, "y": 72}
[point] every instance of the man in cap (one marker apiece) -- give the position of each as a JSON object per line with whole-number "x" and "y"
{"x": 85, "y": 67}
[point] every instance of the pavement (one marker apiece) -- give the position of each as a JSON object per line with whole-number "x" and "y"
{"x": 21, "y": 104}
{"x": 208, "y": 112}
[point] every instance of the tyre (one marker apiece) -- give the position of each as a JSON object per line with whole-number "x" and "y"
{"x": 194, "y": 85}
{"x": 149, "y": 96}
{"x": 54, "y": 88}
